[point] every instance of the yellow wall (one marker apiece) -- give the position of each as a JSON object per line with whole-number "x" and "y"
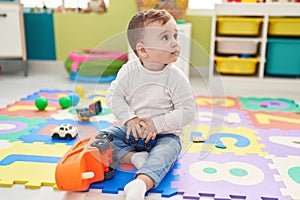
{"x": 80, "y": 30}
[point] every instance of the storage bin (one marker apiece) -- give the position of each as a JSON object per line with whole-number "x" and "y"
{"x": 284, "y": 26}
{"x": 283, "y": 57}
{"x": 236, "y": 65}
{"x": 236, "y": 46}
{"x": 247, "y": 26}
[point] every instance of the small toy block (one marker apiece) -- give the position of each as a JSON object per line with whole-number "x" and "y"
{"x": 197, "y": 139}
{"x": 220, "y": 145}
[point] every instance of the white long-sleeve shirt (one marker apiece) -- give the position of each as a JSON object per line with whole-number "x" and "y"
{"x": 164, "y": 96}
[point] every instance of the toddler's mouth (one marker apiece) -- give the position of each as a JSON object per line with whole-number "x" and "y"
{"x": 175, "y": 52}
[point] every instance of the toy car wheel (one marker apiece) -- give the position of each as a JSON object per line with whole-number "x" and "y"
{"x": 68, "y": 136}
{"x": 55, "y": 136}
{"x": 101, "y": 144}
{"x": 110, "y": 174}
{"x": 133, "y": 142}
{"x": 148, "y": 145}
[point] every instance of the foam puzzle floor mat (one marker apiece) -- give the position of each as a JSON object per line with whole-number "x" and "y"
{"x": 250, "y": 147}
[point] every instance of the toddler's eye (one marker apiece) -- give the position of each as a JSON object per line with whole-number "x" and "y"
{"x": 175, "y": 36}
{"x": 165, "y": 37}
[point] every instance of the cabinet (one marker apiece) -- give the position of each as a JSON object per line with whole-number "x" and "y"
{"x": 184, "y": 39}
{"x": 12, "y": 36}
{"x": 238, "y": 48}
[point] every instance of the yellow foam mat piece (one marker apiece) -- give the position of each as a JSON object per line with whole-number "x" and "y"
{"x": 253, "y": 148}
{"x": 36, "y": 148}
{"x": 32, "y": 174}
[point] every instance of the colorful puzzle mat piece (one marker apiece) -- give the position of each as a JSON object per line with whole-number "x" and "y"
{"x": 289, "y": 170}
{"x": 227, "y": 175}
{"x": 217, "y": 102}
{"x": 43, "y": 133}
{"x": 269, "y": 104}
{"x": 240, "y": 141}
{"x": 30, "y": 164}
{"x": 11, "y": 128}
{"x": 50, "y": 95}
{"x": 250, "y": 148}
{"x": 280, "y": 120}
{"x": 125, "y": 173}
{"x": 29, "y": 110}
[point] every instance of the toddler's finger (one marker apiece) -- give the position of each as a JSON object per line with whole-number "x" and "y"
{"x": 134, "y": 134}
{"x": 153, "y": 136}
{"x": 128, "y": 133}
{"x": 149, "y": 136}
{"x": 139, "y": 131}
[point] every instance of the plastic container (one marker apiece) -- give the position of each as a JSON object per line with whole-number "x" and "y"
{"x": 236, "y": 65}
{"x": 284, "y": 26}
{"x": 236, "y": 46}
{"x": 247, "y": 26}
{"x": 283, "y": 57}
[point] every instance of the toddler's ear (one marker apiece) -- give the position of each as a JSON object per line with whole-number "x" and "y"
{"x": 141, "y": 50}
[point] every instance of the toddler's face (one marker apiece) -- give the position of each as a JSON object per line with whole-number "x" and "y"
{"x": 160, "y": 42}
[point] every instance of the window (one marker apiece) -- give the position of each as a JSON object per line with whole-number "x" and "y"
{"x": 203, "y": 4}
{"x": 56, "y": 3}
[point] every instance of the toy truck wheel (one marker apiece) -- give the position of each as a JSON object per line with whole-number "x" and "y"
{"x": 55, "y": 136}
{"x": 101, "y": 144}
{"x": 110, "y": 174}
{"x": 68, "y": 136}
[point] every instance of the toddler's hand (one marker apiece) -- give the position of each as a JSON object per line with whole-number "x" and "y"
{"x": 149, "y": 130}
{"x": 133, "y": 126}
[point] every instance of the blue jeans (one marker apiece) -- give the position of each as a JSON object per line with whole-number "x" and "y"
{"x": 161, "y": 157}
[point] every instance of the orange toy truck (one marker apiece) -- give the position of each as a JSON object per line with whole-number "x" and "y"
{"x": 88, "y": 161}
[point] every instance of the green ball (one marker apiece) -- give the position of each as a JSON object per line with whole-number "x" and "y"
{"x": 41, "y": 103}
{"x": 65, "y": 102}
